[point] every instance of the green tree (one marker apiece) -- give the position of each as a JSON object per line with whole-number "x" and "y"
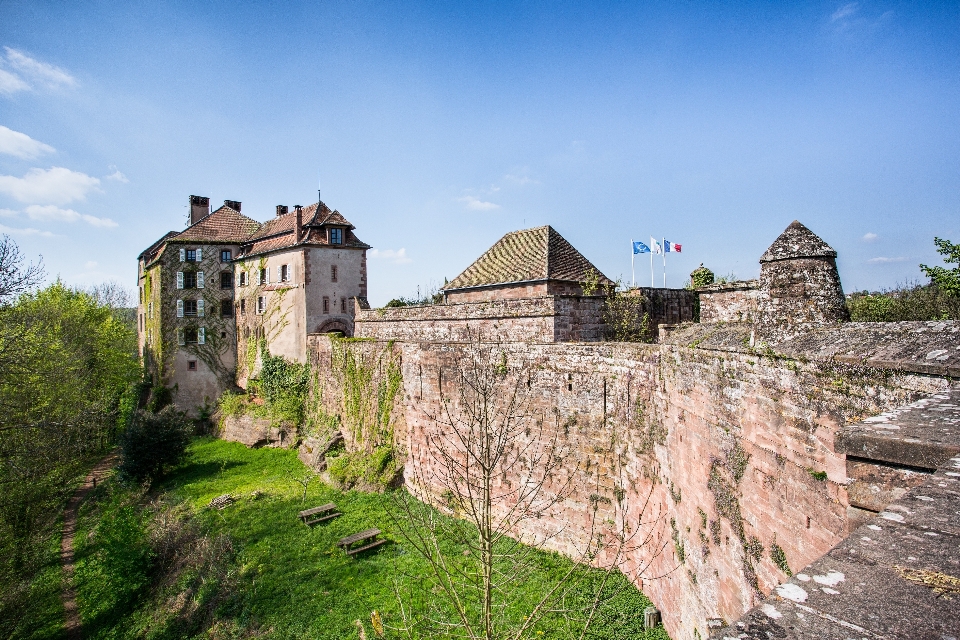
{"x": 946, "y": 279}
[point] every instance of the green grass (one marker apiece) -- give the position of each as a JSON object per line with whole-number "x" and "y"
{"x": 279, "y": 579}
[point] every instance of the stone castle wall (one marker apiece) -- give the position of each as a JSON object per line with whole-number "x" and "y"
{"x": 729, "y": 302}
{"x": 712, "y": 430}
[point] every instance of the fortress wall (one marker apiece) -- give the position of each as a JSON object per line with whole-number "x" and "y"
{"x": 674, "y": 421}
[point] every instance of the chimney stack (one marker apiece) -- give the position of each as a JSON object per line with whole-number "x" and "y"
{"x": 233, "y": 204}
{"x": 281, "y": 210}
{"x": 299, "y": 228}
{"x": 199, "y": 208}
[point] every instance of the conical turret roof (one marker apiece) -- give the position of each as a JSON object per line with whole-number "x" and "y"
{"x": 797, "y": 242}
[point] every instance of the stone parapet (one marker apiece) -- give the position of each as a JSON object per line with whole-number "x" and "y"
{"x": 729, "y": 301}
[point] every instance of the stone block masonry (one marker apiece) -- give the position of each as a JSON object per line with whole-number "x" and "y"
{"x": 735, "y": 446}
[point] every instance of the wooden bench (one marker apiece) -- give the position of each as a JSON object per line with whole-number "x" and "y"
{"x": 319, "y": 514}
{"x": 364, "y": 536}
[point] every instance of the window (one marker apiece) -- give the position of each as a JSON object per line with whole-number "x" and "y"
{"x": 191, "y": 255}
{"x": 226, "y": 308}
{"x": 261, "y": 304}
{"x": 343, "y": 305}
{"x": 265, "y": 275}
{"x": 243, "y": 307}
{"x": 226, "y": 280}
{"x": 326, "y": 304}
{"x": 191, "y": 365}
{"x": 190, "y": 335}
{"x": 141, "y": 295}
{"x": 336, "y": 236}
{"x": 226, "y": 255}
{"x": 333, "y": 273}
{"x": 189, "y": 308}
{"x": 189, "y": 280}
{"x": 284, "y": 273}
{"x": 243, "y": 278}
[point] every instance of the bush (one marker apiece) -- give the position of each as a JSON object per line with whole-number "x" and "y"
{"x": 907, "y": 302}
{"x": 153, "y": 443}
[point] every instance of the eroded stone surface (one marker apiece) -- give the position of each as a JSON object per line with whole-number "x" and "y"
{"x": 924, "y": 434}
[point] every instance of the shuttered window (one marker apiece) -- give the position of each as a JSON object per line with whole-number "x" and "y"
{"x": 200, "y": 308}
{"x": 201, "y": 335}
{"x": 179, "y": 308}
{"x": 183, "y": 255}
{"x": 199, "y": 254}
{"x": 199, "y": 279}
{"x": 179, "y": 279}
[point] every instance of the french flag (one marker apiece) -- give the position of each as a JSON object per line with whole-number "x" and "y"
{"x": 671, "y": 246}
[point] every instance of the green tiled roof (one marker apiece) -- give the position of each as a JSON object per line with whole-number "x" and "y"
{"x": 521, "y": 256}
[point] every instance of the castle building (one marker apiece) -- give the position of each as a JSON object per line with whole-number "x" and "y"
{"x": 215, "y": 296}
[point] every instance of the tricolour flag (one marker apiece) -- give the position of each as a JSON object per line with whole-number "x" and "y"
{"x": 655, "y": 246}
{"x": 639, "y": 247}
{"x": 671, "y": 246}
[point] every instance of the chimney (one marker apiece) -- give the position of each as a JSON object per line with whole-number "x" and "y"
{"x": 233, "y": 204}
{"x": 299, "y": 228}
{"x": 199, "y": 208}
{"x": 281, "y": 210}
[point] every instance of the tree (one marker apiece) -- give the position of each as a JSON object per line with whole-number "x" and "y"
{"x": 15, "y": 277}
{"x": 946, "y": 279}
{"x": 494, "y": 465}
{"x": 153, "y": 443}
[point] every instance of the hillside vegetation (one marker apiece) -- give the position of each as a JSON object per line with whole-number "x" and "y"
{"x": 164, "y": 565}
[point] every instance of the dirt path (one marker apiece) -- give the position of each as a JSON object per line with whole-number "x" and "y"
{"x": 66, "y": 543}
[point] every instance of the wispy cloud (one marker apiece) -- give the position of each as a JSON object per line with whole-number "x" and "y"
{"x": 117, "y": 176}
{"x": 869, "y": 237}
{"x": 477, "y": 204}
{"x": 520, "y": 180}
{"x": 20, "y": 72}
{"x": 25, "y": 232}
{"x": 56, "y": 185}
{"x": 8, "y": 213}
{"x": 52, "y": 213}
{"x": 21, "y": 145}
{"x": 845, "y": 12}
{"x": 883, "y": 260}
{"x": 396, "y": 257}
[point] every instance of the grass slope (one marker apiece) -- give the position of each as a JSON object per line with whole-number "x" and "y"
{"x": 266, "y": 573}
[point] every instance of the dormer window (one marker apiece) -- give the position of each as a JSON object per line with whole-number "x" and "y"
{"x": 336, "y": 236}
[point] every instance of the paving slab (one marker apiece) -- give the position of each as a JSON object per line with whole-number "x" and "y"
{"x": 923, "y": 434}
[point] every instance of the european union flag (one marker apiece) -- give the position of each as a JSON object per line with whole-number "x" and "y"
{"x": 639, "y": 247}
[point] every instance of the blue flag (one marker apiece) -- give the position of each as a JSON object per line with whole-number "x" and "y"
{"x": 639, "y": 247}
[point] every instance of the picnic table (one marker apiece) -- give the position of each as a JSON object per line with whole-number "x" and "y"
{"x": 363, "y": 537}
{"x": 319, "y": 514}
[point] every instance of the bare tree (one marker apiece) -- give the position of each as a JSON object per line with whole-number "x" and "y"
{"x": 15, "y": 277}
{"x": 495, "y": 465}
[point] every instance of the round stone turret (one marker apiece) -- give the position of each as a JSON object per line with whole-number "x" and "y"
{"x": 799, "y": 286}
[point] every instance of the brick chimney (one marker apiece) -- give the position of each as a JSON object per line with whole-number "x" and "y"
{"x": 233, "y": 204}
{"x": 199, "y": 208}
{"x": 298, "y": 229}
{"x": 281, "y": 210}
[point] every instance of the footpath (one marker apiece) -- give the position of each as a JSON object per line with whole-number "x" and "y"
{"x": 71, "y": 615}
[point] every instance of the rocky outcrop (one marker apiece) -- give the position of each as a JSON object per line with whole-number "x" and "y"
{"x": 256, "y": 432}
{"x": 312, "y": 451}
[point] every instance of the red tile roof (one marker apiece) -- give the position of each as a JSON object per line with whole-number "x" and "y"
{"x": 225, "y": 225}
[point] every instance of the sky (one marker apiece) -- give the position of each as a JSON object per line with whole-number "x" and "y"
{"x": 435, "y": 128}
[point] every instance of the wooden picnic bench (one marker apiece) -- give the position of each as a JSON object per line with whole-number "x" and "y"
{"x": 370, "y": 534}
{"x": 319, "y": 514}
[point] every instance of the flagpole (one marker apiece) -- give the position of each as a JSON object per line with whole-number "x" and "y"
{"x": 664, "y": 245}
{"x": 651, "y": 267}
{"x": 633, "y": 275}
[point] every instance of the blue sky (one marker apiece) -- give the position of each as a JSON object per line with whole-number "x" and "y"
{"x": 436, "y": 128}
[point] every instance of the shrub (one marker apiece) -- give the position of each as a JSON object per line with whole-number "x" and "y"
{"x": 907, "y": 302}
{"x": 153, "y": 443}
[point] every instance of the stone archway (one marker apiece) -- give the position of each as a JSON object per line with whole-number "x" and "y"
{"x": 335, "y": 326}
